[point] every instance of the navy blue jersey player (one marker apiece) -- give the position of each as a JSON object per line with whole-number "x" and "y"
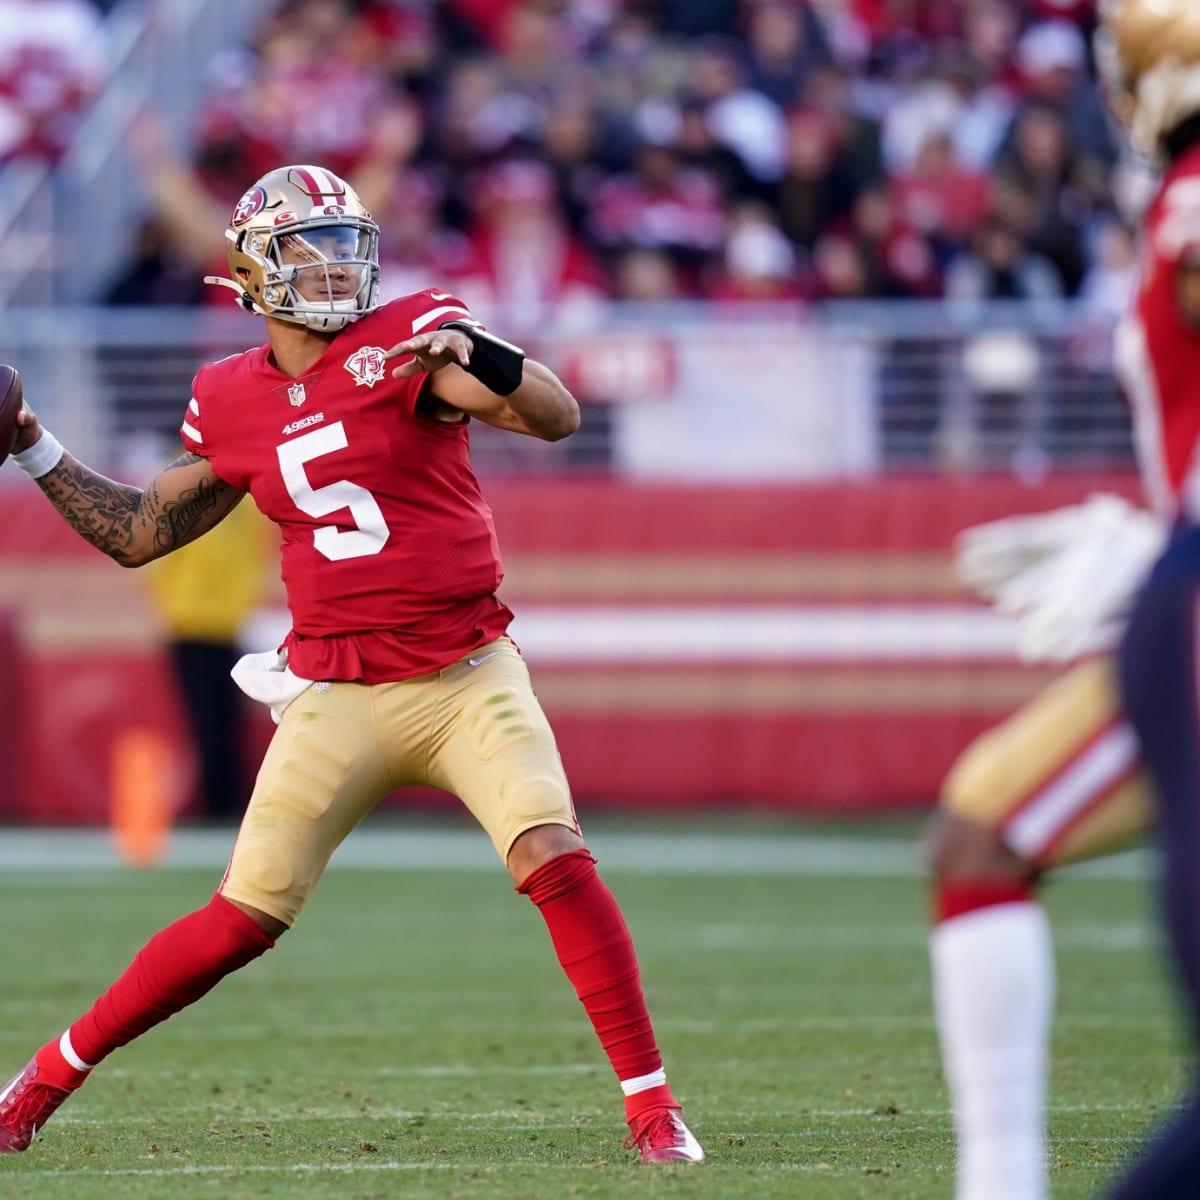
{"x": 1150, "y": 54}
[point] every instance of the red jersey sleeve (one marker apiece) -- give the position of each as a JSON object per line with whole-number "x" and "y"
{"x": 432, "y": 308}
{"x": 1175, "y": 225}
{"x": 191, "y": 431}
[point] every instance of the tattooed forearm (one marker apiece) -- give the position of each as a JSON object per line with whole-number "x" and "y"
{"x": 178, "y": 519}
{"x": 128, "y": 524}
{"x": 100, "y": 510}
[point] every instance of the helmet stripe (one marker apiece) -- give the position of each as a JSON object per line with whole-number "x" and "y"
{"x": 318, "y": 182}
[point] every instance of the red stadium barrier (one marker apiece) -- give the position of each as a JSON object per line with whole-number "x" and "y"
{"x": 786, "y": 647}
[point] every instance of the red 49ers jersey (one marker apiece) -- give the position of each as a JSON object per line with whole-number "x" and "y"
{"x": 1158, "y": 353}
{"x": 389, "y": 551}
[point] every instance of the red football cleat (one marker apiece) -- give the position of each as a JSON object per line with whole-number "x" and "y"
{"x": 661, "y": 1136}
{"x": 25, "y": 1106}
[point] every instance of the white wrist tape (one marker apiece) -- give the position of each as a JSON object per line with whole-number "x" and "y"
{"x": 42, "y": 457}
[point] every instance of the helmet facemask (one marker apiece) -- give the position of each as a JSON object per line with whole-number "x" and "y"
{"x": 321, "y": 276}
{"x": 302, "y": 248}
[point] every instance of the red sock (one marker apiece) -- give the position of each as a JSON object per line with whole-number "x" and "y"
{"x": 177, "y": 966}
{"x": 54, "y": 1069}
{"x": 964, "y": 896}
{"x": 593, "y": 945}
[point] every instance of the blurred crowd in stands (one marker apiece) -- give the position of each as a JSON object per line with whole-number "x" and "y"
{"x": 549, "y": 154}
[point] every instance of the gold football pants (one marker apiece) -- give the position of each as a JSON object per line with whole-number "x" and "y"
{"x": 474, "y": 728}
{"x": 1061, "y": 779}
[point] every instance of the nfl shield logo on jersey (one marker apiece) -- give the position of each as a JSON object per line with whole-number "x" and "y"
{"x": 366, "y": 365}
{"x": 296, "y": 394}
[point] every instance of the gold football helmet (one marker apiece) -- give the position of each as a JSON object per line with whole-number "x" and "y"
{"x": 303, "y": 248}
{"x": 1148, "y": 52}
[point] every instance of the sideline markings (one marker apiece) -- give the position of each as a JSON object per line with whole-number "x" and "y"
{"x": 718, "y": 852}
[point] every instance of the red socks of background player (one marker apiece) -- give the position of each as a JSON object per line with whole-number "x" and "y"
{"x": 963, "y": 896}
{"x": 593, "y": 945}
{"x": 177, "y": 966}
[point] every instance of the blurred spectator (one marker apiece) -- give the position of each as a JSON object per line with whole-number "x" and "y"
{"x": 938, "y": 197}
{"x": 857, "y": 137}
{"x": 784, "y": 42}
{"x": 53, "y": 58}
{"x": 1038, "y": 178}
{"x": 577, "y": 144}
{"x": 990, "y": 31}
{"x": 693, "y": 17}
{"x": 309, "y": 95}
{"x": 690, "y": 133}
{"x": 998, "y": 266}
{"x": 1111, "y": 280}
{"x": 416, "y": 249}
{"x": 156, "y": 274}
{"x": 759, "y": 262}
{"x": 893, "y": 127}
{"x": 525, "y": 261}
{"x": 1081, "y": 12}
{"x": 812, "y": 190}
{"x": 840, "y": 270}
{"x": 1106, "y": 294}
{"x": 900, "y": 262}
{"x": 984, "y": 115}
{"x": 1090, "y": 406}
{"x": 186, "y": 203}
{"x": 402, "y": 35}
{"x": 483, "y": 19}
{"x": 645, "y": 276}
{"x": 928, "y": 108}
{"x": 740, "y": 118}
{"x": 1053, "y": 59}
{"x": 661, "y": 204}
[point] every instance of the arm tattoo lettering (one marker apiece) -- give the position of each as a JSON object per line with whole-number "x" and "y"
{"x": 123, "y": 521}
{"x": 178, "y": 520}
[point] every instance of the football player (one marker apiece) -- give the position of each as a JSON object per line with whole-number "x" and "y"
{"x": 1151, "y": 58}
{"x": 1058, "y": 781}
{"x": 350, "y": 428}
{"x": 1112, "y": 746}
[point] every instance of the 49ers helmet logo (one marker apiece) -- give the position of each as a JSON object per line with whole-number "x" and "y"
{"x": 249, "y": 205}
{"x": 366, "y": 365}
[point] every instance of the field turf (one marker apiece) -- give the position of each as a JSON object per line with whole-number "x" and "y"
{"x": 414, "y": 1037}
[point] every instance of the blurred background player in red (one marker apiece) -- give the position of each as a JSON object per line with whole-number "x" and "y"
{"x": 350, "y": 429}
{"x": 1059, "y": 781}
{"x": 1111, "y": 747}
{"x": 1151, "y": 57}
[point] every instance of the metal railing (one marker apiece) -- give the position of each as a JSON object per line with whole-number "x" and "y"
{"x": 677, "y": 391}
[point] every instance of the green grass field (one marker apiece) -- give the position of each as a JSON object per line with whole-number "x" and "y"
{"x": 414, "y": 1036}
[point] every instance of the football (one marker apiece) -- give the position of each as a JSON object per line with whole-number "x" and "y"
{"x": 10, "y": 405}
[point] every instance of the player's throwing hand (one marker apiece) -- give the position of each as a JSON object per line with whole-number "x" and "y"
{"x": 431, "y": 352}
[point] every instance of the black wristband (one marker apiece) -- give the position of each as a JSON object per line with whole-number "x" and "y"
{"x": 497, "y": 364}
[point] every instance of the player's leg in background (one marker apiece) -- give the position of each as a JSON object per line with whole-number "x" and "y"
{"x": 321, "y": 774}
{"x": 1055, "y": 782}
{"x": 498, "y": 755}
{"x": 214, "y": 707}
{"x": 1160, "y": 658}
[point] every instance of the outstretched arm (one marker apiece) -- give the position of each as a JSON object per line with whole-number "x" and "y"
{"x": 539, "y": 404}
{"x": 133, "y": 525}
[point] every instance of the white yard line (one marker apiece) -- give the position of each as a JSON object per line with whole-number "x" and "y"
{"x": 718, "y": 852}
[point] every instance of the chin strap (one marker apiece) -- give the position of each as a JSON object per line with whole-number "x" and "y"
{"x": 221, "y": 281}
{"x": 243, "y": 297}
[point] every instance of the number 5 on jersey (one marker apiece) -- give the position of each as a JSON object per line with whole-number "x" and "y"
{"x": 335, "y": 544}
